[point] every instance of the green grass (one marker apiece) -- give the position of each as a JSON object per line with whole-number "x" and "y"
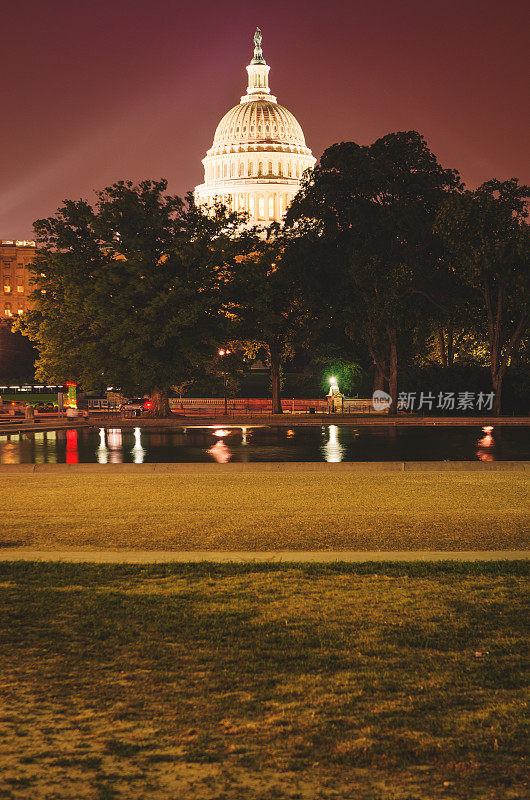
{"x": 264, "y": 510}
{"x": 377, "y": 682}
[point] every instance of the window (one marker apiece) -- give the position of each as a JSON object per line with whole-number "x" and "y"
{"x": 240, "y": 169}
{"x": 20, "y": 311}
{"x": 224, "y": 170}
{"x": 260, "y": 168}
{"x": 250, "y": 167}
{"x": 270, "y": 167}
{"x": 20, "y": 289}
{"x": 280, "y": 169}
{"x": 280, "y": 207}
{"x": 7, "y": 286}
{"x": 261, "y": 208}
{"x": 271, "y": 207}
{"x": 7, "y": 310}
{"x": 251, "y": 205}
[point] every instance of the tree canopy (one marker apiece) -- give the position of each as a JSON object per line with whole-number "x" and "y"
{"x": 487, "y": 235}
{"x": 382, "y": 261}
{"x": 131, "y": 290}
{"x": 375, "y": 208}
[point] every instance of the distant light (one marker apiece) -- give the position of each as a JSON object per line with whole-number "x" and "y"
{"x": 333, "y": 380}
{"x": 487, "y": 428}
{"x": 221, "y": 352}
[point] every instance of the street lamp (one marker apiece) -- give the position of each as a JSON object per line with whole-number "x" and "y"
{"x": 223, "y": 353}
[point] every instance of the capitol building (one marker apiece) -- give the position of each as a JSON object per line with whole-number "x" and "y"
{"x": 258, "y": 155}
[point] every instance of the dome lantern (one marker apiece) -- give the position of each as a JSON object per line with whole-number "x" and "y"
{"x": 258, "y": 75}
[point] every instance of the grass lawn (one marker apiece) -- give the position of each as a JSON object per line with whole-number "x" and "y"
{"x": 262, "y": 511}
{"x": 352, "y": 682}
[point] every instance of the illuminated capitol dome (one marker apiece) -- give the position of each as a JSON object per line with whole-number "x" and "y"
{"x": 258, "y": 154}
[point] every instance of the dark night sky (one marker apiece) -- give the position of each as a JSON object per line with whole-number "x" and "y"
{"x": 93, "y": 91}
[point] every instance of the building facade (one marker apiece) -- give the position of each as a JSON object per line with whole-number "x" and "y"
{"x": 15, "y": 277}
{"x": 258, "y": 155}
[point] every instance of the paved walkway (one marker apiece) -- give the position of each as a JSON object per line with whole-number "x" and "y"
{"x": 249, "y": 556}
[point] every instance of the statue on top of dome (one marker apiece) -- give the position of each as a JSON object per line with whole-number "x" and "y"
{"x": 258, "y": 54}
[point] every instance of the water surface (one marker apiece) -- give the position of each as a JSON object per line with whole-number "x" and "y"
{"x": 332, "y": 443}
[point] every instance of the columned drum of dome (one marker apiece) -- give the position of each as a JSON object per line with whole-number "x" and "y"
{"x": 258, "y": 155}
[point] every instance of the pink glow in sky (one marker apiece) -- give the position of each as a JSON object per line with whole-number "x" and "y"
{"x": 93, "y": 92}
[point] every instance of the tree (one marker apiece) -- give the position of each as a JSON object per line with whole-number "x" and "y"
{"x": 486, "y": 231}
{"x": 375, "y": 208}
{"x": 131, "y": 290}
{"x": 267, "y": 300}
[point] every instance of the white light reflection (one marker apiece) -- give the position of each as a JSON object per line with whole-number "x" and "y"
{"x": 102, "y": 451}
{"x": 114, "y": 441}
{"x": 221, "y": 432}
{"x": 138, "y": 451}
{"x": 220, "y": 452}
{"x": 244, "y": 439}
{"x": 333, "y": 450}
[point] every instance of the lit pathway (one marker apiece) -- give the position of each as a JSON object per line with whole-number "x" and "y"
{"x": 249, "y": 556}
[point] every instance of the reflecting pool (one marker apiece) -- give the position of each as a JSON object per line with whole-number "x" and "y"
{"x": 224, "y": 444}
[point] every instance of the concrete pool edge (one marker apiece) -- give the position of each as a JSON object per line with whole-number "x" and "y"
{"x": 17, "y": 426}
{"x": 257, "y": 556}
{"x": 266, "y": 466}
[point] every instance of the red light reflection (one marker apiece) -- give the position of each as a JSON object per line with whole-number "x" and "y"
{"x": 72, "y": 454}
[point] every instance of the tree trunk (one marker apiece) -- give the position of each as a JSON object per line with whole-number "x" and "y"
{"x": 499, "y": 355}
{"x": 160, "y": 403}
{"x": 393, "y": 372}
{"x": 274, "y": 353}
{"x": 441, "y": 344}
{"x": 450, "y": 345}
{"x": 496, "y": 381}
{"x": 499, "y": 365}
{"x": 379, "y": 378}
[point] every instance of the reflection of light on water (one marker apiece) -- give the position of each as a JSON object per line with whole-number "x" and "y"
{"x": 9, "y": 452}
{"x": 220, "y": 452}
{"x": 333, "y": 450}
{"x": 138, "y": 451}
{"x": 72, "y": 454}
{"x": 220, "y": 432}
{"x": 486, "y": 444}
{"x": 114, "y": 441}
{"x": 102, "y": 451}
{"x": 290, "y": 433}
{"x": 244, "y": 439}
